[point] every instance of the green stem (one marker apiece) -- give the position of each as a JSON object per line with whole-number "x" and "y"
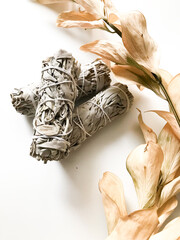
{"x": 170, "y": 103}
{"x": 113, "y": 27}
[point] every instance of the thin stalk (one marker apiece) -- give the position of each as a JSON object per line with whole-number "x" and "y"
{"x": 113, "y": 27}
{"x": 170, "y": 103}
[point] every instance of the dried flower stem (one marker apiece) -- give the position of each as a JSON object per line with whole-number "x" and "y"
{"x": 113, "y": 27}
{"x": 156, "y": 77}
{"x": 170, "y": 103}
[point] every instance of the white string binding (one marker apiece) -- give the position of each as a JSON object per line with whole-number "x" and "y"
{"x": 127, "y": 99}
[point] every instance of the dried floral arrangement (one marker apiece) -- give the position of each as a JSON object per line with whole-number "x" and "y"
{"x": 155, "y": 165}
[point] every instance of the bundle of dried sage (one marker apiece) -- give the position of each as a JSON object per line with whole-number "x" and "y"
{"x": 88, "y": 118}
{"x": 93, "y": 78}
{"x": 58, "y": 92}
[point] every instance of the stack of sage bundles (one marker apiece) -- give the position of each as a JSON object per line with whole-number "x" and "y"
{"x": 58, "y": 126}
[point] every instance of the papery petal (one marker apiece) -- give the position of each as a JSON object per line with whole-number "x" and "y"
{"x": 149, "y": 134}
{"x": 139, "y": 225}
{"x": 169, "y": 117}
{"x": 174, "y": 93}
{"x": 52, "y": 1}
{"x": 136, "y": 76}
{"x": 79, "y": 19}
{"x": 166, "y": 77}
{"x": 137, "y": 40}
{"x": 144, "y": 164}
{"x": 170, "y": 232}
{"x": 93, "y": 6}
{"x": 110, "y": 50}
{"x": 165, "y": 211}
{"x": 169, "y": 190}
{"x": 112, "y": 192}
{"x": 170, "y": 145}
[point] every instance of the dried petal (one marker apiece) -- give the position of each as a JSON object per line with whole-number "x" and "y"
{"x": 137, "y": 40}
{"x": 139, "y": 225}
{"x": 170, "y": 145}
{"x": 173, "y": 90}
{"x": 112, "y": 192}
{"x": 169, "y": 190}
{"x": 166, "y": 77}
{"x": 169, "y": 117}
{"x": 52, "y": 1}
{"x": 170, "y": 232}
{"x": 93, "y": 6}
{"x": 110, "y": 50}
{"x": 165, "y": 211}
{"x": 134, "y": 75}
{"x": 144, "y": 164}
{"x": 149, "y": 134}
{"x": 81, "y": 19}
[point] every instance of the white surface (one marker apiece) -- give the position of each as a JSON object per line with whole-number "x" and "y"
{"x": 61, "y": 200}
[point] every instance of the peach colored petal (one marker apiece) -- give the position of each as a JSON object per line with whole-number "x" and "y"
{"x": 110, "y": 50}
{"x": 52, "y": 1}
{"x": 165, "y": 76}
{"x": 112, "y": 192}
{"x": 149, "y": 134}
{"x": 144, "y": 164}
{"x": 138, "y": 42}
{"x": 169, "y": 117}
{"x": 169, "y": 190}
{"x": 136, "y": 76}
{"x": 170, "y": 232}
{"x": 174, "y": 92}
{"x": 170, "y": 145}
{"x": 165, "y": 211}
{"x": 139, "y": 225}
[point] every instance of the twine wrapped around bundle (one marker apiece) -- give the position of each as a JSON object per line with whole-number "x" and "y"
{"x": 88, "y": 118}
{"x": 93, "y": 78}
{"x": 53, "y": 117}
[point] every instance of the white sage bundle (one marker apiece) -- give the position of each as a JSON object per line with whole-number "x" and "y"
{"x": 88, "y": 118}
{"x": 93, "y": 78}
{"x": 58, "y": 92}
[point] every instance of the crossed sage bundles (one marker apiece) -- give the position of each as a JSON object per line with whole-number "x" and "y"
{"x": 60, "y": 123}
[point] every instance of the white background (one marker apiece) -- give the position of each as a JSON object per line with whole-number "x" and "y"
{"x": 61, "y": 200}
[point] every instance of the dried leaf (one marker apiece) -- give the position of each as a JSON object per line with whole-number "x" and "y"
{"x": 112, "y": 192}
{"x": 81, "y": 19}
{"x": 110, "y": 50}
{"x": 169, "y": 190}
{"x": 131, "y": 74}
{"x": 166, "y": 77}
{"x": 139, "y": 225}
{"x": 174, "y": 93}
{"x": 165, "y": 211}
{"x": 144, "y": 164}
{"x": 169, "y": 117}
{"x": 149, "y": 134}
{"x": 170, "y": 145}
{"x": 52, "y": 1}
{"x": 137, "y": 40}
{"x": 170, "y": 232}
{"x": 93, "y": 6}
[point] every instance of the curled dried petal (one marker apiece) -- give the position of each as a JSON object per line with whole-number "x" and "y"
{"x": 139, "y": 225}
{"x": 169, "y": 190}
{"x": 110, "y": 50}
{"x": 144, "y": 164}
{"x": 112, "y": 192}
{"x": 170, "y": 145}
{"x": 170, "y": 232}
{"x": 138, "y": 42}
